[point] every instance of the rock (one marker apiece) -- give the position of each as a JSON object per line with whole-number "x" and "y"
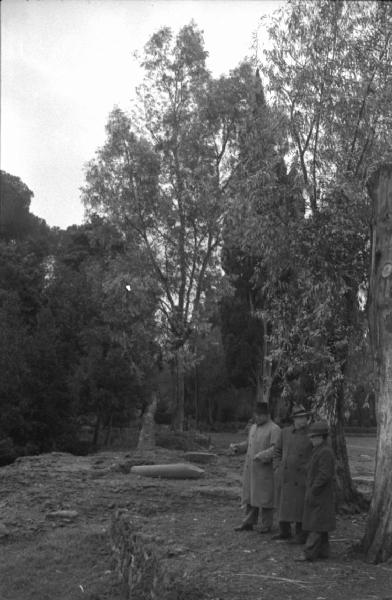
{"x": 125, "y": 466}
{"x": 171, "y": 471}
{"x": 4, "y": 531}
{"x": 122, "y": 467}
{"x": 176, "y": 551}
{"x": 201, "y": 457}
{"x": 68, "y": 515}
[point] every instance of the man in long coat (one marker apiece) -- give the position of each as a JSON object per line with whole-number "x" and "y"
{"x": 258, "y": 477}
{"x": 291, "y": 457}
{"x": 319, "y": 509}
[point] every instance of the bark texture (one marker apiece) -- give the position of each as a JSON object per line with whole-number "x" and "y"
{"x": 179, "y": 412}
{"x": 147, "y": 432}
{"x": 348, "y": 499}
{"x": 378, "y": 536}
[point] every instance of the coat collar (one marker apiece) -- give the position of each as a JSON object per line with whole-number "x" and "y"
{"x": 302, "y": 431}
{"x": 323, "y": 445}
{"x": 262, "y": 424}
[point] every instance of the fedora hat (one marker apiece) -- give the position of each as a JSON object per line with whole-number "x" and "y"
{"x": 300, "y": 411}
{"x": 318, "y": 428}
{"x": 261, "y": 408}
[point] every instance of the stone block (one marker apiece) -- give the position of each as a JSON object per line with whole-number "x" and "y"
{"x": 170, "y": 471}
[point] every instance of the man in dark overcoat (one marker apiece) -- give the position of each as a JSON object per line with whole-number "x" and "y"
{"x": 258, "y": 477}
{"x": 319, "y": 509}
{"x": 291, "y": 457}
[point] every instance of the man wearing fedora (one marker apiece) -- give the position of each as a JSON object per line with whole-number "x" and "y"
{"x": 319, "y": 509}
{"x": 291, "y": 457}
{"x": 258, "y": 478}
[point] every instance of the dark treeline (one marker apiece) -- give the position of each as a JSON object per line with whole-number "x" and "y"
{"x": 79, "y": 345}
{"x": 63, "y": 352}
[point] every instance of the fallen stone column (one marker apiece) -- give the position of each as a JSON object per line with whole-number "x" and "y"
{"x": 171, "y": 471}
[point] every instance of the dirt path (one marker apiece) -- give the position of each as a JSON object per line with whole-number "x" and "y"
{"x": 47, "y": 557}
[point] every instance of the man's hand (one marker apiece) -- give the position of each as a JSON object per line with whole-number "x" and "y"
{"x": 233, "y": 448}
{"x": 265, "y": 456}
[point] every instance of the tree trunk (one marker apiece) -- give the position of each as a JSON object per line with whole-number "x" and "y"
{"x": 264, "y": 369}
{"x": 97, "y": 429}
{"x": 196, "y": 396}
{"x": 259, "y": 382}
{"x": 178, "y": 421}
{"x": 210, "y": 411}
{"x": 109, "y": 432}
{"x": 378, "y": 535}
{"x": 347, "y": 497}
{"x": 147, "y": 432}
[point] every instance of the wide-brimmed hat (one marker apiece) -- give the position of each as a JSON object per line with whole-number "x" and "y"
{"x": 300, "y": 411}
{"x": 262, "y": 408}
{"x": 318, "y": 428}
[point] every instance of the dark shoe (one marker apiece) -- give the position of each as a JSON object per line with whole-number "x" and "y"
{"x": 264, "y": 529}
{"x": 301, "y": 559}
{"x": 280, "y": 536}
{"x": 297, "y": 540}
{"x": 244, "y": 527}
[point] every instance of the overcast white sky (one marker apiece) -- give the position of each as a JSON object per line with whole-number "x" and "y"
{"x": 66, "y": 63}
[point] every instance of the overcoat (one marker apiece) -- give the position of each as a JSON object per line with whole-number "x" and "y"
{"x": 258, "y": 477}
{"x": 319, "y": 508}
{"x": 291, "y": 458}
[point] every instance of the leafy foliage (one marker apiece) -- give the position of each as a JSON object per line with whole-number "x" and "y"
{"x": 162, "y": 174}
{"x": 74, "y": 342}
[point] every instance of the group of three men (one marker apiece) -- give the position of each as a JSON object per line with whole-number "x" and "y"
{"x": 291, "y": 470}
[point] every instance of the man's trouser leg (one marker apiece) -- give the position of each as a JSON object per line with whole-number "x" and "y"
{"x": 267, "y": 518}
{"x": 251, "y": 516}
{"x": 300, "y": 534}
{"x": 285, "y": 529}
{"x": 324, "y": 548}
{"x": 314, "y": 544}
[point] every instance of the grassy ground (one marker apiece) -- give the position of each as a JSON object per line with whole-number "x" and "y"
{"x": 44, "y": 558}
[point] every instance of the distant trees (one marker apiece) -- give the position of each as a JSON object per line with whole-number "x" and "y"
{"x": 73, "y": 340}
{"x": 107, "y": 329}
{"x": 15, "y": 199}
{"x": 298, "y": 222}
{"x": 329, "y": 69}
{"x": 161, "y": 179}
{"x": 200, "y": 163}
{"x": 31, "y": 383}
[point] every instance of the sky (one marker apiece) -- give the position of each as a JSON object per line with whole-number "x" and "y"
{"x": 66, "y": 63}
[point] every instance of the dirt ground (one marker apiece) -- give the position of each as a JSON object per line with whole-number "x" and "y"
{"x": 44, "y": 557}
